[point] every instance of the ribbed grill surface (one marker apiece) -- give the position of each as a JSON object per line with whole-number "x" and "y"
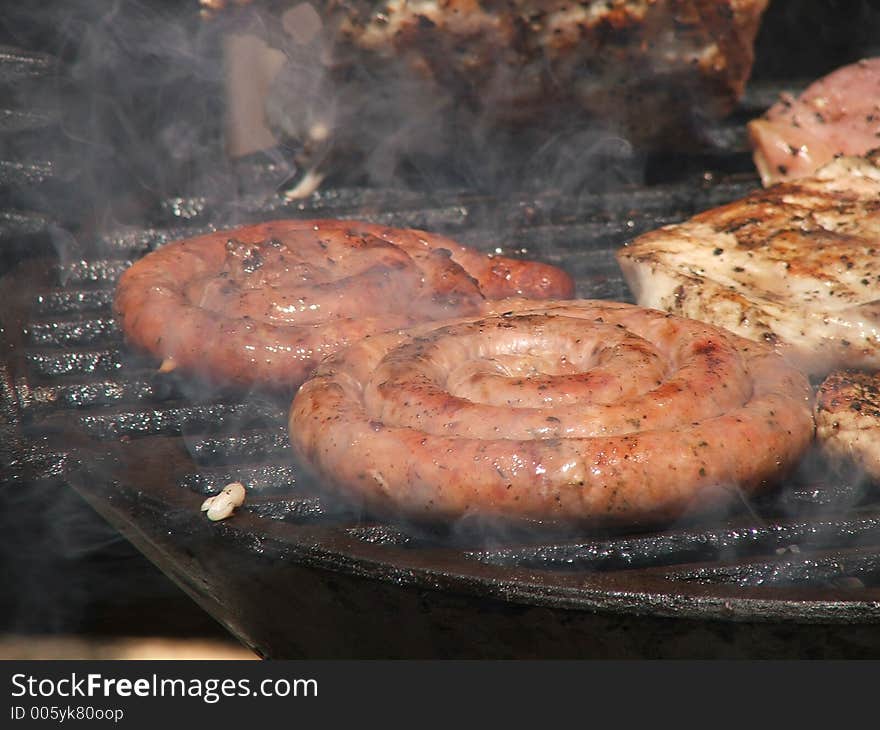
{"x": 91, "y": 403}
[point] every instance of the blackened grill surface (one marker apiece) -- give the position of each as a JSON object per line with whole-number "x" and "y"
{"x": 296, "y": 572}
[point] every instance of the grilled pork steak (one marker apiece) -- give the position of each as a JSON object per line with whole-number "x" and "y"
{"x": 398, "y": 78}
{"x": 795, "y": 265}
{"x": 848, "y": 419}
{"x": 837, "y": 115}
{"x": 607, "y": 56}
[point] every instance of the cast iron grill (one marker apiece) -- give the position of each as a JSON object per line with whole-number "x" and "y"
{"x": 298, "y": 573}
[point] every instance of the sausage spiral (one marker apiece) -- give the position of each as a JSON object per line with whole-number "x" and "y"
{"x": 263, "y": 303}
{"x": 593, "y": 411}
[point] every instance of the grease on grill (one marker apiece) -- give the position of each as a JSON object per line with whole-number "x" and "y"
{"x": 296, "y": 509}
{"x": 850, "y": 571}
{"x": 53, "y": 364}
{"x": 243, "y": 446}
{"x": 69, "y": 301}
{"x": 78, "y": 378}
{"x": 261, "y": 479}
{"x": 78, "y": 331}
{"x": 380, "y": 535}
{"x": 176, "y": 419}
{"x": 688, "y": 546}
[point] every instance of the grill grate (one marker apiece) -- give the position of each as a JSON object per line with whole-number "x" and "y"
{"x": 144, "y": 449}
{"x": 77, "y": 377}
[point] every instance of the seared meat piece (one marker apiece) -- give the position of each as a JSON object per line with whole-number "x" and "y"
{"x": 796, "y": 265}
{"x": 606, "y": 56}
{"x": 848, "y": 419}
{"x": 431, "y": 78}
{"x": 837, "y": 115}
{"x": 590, "y": 411}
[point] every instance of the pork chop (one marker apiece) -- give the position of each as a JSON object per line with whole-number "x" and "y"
{"x": 848, "y": 419}
{"x": 795, "y": 265}
{"x": 837, "y": 115}
{"x": 472, "y": 84}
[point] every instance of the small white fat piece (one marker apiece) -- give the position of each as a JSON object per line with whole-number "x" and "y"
{"x": 222, "y": 505}
{"x": 310, "y": 182}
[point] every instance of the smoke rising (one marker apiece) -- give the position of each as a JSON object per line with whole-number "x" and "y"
{"x": 410, "y": 117}
{"x": 140, "y": 104}
{"x": 138, "y": 99}
{"x": 123, "y": 106}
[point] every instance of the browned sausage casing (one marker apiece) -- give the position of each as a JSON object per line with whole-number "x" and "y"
{"x": 260, "y": 305}
{"x": 592, "y": 411}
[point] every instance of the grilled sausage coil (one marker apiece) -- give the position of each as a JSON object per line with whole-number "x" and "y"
{"x": 260, "y": 305}
{"x": 593, "y": 411}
